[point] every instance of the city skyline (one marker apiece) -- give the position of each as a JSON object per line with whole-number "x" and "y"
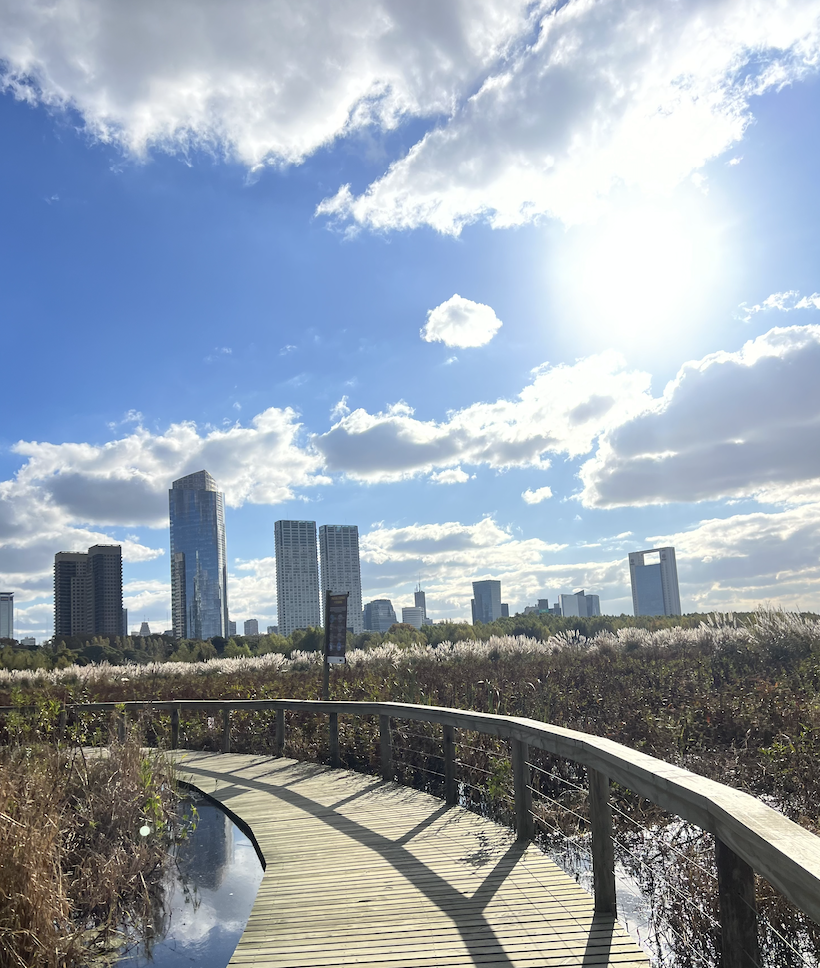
{"x": 358, "y": 266}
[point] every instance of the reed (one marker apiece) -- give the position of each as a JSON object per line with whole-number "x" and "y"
{"x": 82, "y": 845}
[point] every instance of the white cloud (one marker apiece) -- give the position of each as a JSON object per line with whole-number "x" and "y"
{"x": 561, "y": 411}
{"x": 341, "y": 409}
{"x": 606, "y": 94}
{"x": 125, "y": 481}
{"x": 746, "y": 560}
{"x": 461, "y": 322}
{"x": 455, "y": 475}
{"x": 259, "y": 81}
{"x": 537, "y": 496}
{"x": 538, "y": 107}
{"x": 783, "y": 302}
{"x": 65, "y": 495}
{"x": 252, "y": 592}
{"x": 453, "y": 555}
{"x": 729, "y": 425}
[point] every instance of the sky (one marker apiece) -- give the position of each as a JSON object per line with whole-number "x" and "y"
{"x": 517, "y": 288}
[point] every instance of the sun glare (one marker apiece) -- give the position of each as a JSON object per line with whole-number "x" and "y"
{"x": 641, "y": 276}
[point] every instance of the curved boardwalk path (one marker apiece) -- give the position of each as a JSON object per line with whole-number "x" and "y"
{"x": 363, "y": 872}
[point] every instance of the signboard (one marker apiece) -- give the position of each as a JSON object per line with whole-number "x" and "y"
{"x": 335, "y": 627}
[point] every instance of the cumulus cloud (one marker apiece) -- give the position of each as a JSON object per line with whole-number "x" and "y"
{"x": 258, "y": 81}
{"x": 455, "y": 475}
{"x": 563, "y": 410}
{"x": 252, "y": 591}
{"x": 125, "y": 481}
{"x": 533, "y": 108}
{"x": 537, "y": 496}
{"x": 461, "y": 322}
{"x": 66, "y": 494}
{"x": 746, "y": 560}
{"x": 453, "y": 554}
{"x": 783, "y": 302}
{"x": 729, "y": 425}
{"x": 611, "y": 93}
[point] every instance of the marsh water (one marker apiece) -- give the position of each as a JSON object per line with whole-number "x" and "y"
{"x": 209, "y": 891}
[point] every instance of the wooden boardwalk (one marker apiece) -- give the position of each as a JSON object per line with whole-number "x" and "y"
{"x": 362, "y": 872}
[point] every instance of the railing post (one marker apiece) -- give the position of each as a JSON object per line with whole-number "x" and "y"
{"x": 384, "y": 746}
{"x": 226, "y": 729}
{"x": 603, "y": 848}
{"x": 279, "y": 740}
{"x": 450, "y": 790}
{"x": 334, "y": 740}
{"x": 121, "y": 725}
{"x": 62, "y": 720}
{"x": 738, "y": 909}
{"x": 524, "y": 826}
{"x": 175, "y": 727}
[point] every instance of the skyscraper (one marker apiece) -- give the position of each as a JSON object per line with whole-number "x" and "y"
{"x": 655, "y": 584}
{"x": 88, "y": 592}
{"x": 341, "y": 571}
{"x": 379, "y": 615}
{"x": 251, "y": 626}
{"x": 6, "y": 615}
{"x": 486, "y": 602}
{"x": 199, "y": 563}
{"x": 297, "y": 575}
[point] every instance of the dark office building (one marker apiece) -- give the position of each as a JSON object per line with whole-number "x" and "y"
{"x": 88, "y": 592}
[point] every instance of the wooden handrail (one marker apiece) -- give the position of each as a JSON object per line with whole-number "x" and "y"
{"x": 786, "y": 854}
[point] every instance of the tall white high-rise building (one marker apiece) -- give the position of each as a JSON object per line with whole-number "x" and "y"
{"x": 341, "y": 570}
{"x": 297, "y": 575}
{"x": 6, "y": 615}
{"x": 655, "y": 583}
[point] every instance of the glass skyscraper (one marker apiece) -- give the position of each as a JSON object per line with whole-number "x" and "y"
{"x": 199, "y": 564}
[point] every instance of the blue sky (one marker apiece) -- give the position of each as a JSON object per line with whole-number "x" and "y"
{"x": 516, "y": 288}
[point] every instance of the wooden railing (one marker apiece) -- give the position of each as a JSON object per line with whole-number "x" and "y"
{"x": 749, "y": 835}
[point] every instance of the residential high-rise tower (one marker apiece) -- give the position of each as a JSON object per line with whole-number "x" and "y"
{"x": 297, "y": 575}
{"x": 340, "y": 569}
{"x": 6, "y": 615}
{"x": 88, "y": 592}
{"x": 655, "y": 583}
{"x": 199, "y": 563}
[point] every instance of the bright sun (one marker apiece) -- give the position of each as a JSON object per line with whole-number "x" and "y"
{"x": 640, "y": 275}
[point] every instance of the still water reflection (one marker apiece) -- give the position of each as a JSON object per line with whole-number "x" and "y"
{"x": 209, "y": 894}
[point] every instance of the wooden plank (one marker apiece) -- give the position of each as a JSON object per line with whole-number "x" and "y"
{"x": 366, "y": 873}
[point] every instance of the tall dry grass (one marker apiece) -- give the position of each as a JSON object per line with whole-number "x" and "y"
{"x": 73, "y": 862}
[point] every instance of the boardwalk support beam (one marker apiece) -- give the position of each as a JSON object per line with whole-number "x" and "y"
{"x": 334, "y": 740}
{"x": 738, "y": 909}
{"x": 279, "y": 739}
{"x": 450, "y": 789}
{"x": 121, "y": 726}
{"x": 226, "y": 729}
{"x": 385, "y": 748}
{"x": 175, "y": 728}
{"x": 603, "y": 849}
{"x": 524, "y": 826}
